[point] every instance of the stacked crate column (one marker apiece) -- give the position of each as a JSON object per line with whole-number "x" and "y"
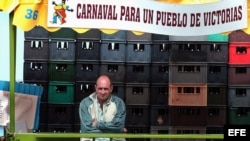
{"x": 35, "y": 68}
{"x": 62, "y": 47}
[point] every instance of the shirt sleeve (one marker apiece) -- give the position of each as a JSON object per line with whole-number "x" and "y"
{"x": 85, "y": 119}
{"x": 118, "y": 122}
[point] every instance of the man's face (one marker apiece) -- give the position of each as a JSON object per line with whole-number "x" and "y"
{"x": 103, "y": 90}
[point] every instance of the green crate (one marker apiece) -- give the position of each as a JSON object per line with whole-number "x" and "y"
{"x": 239, "y": 115}
{"x": 61, "y": 93}
{"x": 62, "y": 71}
{"x": 64, "y": 33}
{"x": 218, "y": 38}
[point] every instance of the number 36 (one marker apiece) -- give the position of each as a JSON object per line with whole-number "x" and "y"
{"x": 31, "y": 14}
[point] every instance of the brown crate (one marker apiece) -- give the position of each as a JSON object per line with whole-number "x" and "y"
{"x": 239, "y": 36}
{"x": 188, "y": 94}
{"x": 187, "y": 115}
{"x": 238, "y": 74}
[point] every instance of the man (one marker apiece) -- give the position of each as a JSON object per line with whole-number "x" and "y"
{"x": 102, "y": 112}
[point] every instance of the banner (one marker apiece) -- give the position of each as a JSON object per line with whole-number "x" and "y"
{"x": 149, "y": 16}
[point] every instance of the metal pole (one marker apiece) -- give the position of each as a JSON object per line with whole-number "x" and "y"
{"x": 12, "y": 39}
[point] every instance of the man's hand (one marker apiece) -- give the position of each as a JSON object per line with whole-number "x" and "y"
{"x": 125, "y": 130}
{"x": 94, "y": 122}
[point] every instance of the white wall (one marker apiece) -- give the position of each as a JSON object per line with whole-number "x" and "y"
{"x": 5, "y": 52}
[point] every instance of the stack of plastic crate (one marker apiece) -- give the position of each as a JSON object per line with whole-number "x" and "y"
{"x": 159, "y": 112}
{"x": 239, "y": 78}
{"x": 187, "y": 84}
{"x": 112, "y": 59}
{"x": 138, "y": 62}
{"x": 61, "y": 87}
{"x": 217, "y": 60}
{"x": 87, "y": 67}
{"x": 35, "y": 68}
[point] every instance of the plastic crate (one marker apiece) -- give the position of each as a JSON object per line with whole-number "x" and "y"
{"x": 57, "y": 69}
{"x": 160, "y": 38}
{"x": 159, "y": 94}
{"x": 238, "y": 74}
{"x": 119, "y": 90}
{"x": 60, "y": 113}
{"x": 38, "y": 32}
{"x": 83, "y": 90}
{"x": 159, "y": 116}
{"x": 182, "y": 72}
{"x": 35, "y": 71}
{"x": 77, "y": 116}
{"x": 188, "y": 52}
{"x": 239, "y": 115}
{"x": 217, "y": 73}
{"x": 91, "y": 34}
{"x": 239, "y": 53}
{"x": 187, "y": 94}
{"x": 216, "y": 116}
{"x": 61, "y": 93}
{"x": 188, "y": 129}
{"x": 239, "y": 96}
{"x": 137, "y": 94}
{"x": 215, "y": 129}
{"x": 87, "y": 71}
{"x": 63, "y": 34}
{"x": 62, "y": 50}
{"x": 160, "y": 73}
{"x": 138, "y": 129}
{"x": 217, "y": 95}
{"x": 43, "y": 113}
{"x": 218, "y": 37}
{"x": 44, "y": 98}
{"x": 119, "y": 35}
{"x": 36, "y": 49}
{"x": 188, "y": 38}
{"x": 76, "y": 128}
{"x": 60, "y": 128}
{"x": 137, "y": 115}
{"x": 160, "y": 52}
{"x": 142, "y": 37}
{"x": 187, "y": 116}
{"x": 116, "y": 71}
{"x": 217, "y": 52}
{"x": 138, "y": 52}
{"x": 87, "y": 50}
{"x": 42, "y": 128}
{"x": 138, "y": 73}
{"x": 159, "y": 130}
{"x": 239, "y": 36}
{"x": 113, "y": 52}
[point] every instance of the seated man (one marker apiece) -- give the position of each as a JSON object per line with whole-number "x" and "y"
{"x": 102, "y": 112}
